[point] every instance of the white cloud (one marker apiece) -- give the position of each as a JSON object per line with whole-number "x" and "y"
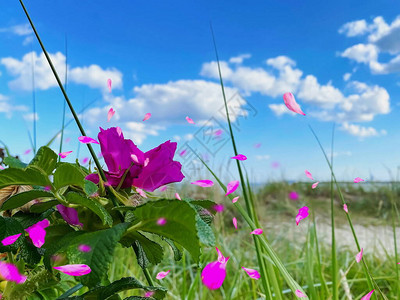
{"x": 239, "y": 59}
{"x": 263, "y": 157}
{"x": 29, "y": 117}
{"x": 93, "y": 76}
{"x": 360, "y": 131}
{"x": 346, "y": 76}
{"x": 280, "y": 109}
{"x": 362, "y": 53}
{"x": 354, "y": 28}
{"x": 21, "y": 29}
{"x": 8, "y": 108}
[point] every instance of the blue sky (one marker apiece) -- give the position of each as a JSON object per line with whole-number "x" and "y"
{"x": 341, "y": 60}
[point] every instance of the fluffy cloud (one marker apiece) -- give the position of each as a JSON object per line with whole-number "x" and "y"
{"x": 20, "y": 29}
{"x": 362, "y": 53}
{"x": 29, "y": 117}
{"x": 360, "y": 131}
{"x": 354, "y": 28}
{"x": 8, "y": 108}
{"x": 280, "y": 109}
{"x": 93, "y": 76}
{"x": 239, "y": 59}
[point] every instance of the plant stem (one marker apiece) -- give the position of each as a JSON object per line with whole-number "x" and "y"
{"x": 333, "y": 248}
{"x": 65, "y": 86}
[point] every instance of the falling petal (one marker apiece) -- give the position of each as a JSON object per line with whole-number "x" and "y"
{"x": 214, "y": 273}
{"x": 119, "y": 130}
{"x": 85, "y": 160}
{"x": 163, "y": 188}
{"x": 234, "y": 221}
{"x": 87, "y": 140}
{"x": 221, "y": 259}
{"x": 10, "y": 239}
{"x": 69, "y": 214}
{"x": 47, "y": 188}
{"x": 314, "y": 185}
{"x": 178, "y": 197}
{"x": 239, "y": 157}
{"x": 74, "y": 270}
{"x": 10, "y": 272}
{"x": 303, "y": 213}
{"x": 182, "y": 153}
{"x": 345, "y": 208}
{"x": 308, "y": 174}
{"x": 161, "y": 275}
{"x": 300, "y": 294}
{"x": 146, "y": 162}
{"x": 27, "y": 151}
{"x": 258, "y": 145}
{"x": 110, "y": 114}
{"x": 147, "y": 116}
{"x": 358, "y": 179}
{"x": 67, "y": 140}
{"x": 291, "y": 103}
{"x": 148, "y": 294}
{"x": 109, "y": 83}
{"x": 218, "y": 132}
{"x": 231, "y": 187}
{"x": 141, "y": 192}
{"x": 275, "y": 165}
{"x": 65, "y": 154}
{"x": 234, "y": 200}
{"x": 219, "y": 207}
{"x": 293, "y": 195}
{"x": 189, "y": 120}
{"x": 257, "y": 231}
{"x": 252, "y": 273}
{"x": 1, "y": 167}
{"x": 84, "y": 248}
{"x": 161, "y": 221}
{"x": 367, "y": 296}
{"x": 37, "y": 232}
{"x": 203, "y": 183}
{"x": 359, "y": 256}
{"x": 135, "y": 158}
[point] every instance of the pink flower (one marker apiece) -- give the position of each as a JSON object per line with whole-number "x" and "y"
{"x": 303, "y": 213}
{"x": 74, "y": 270}
{"x": 10, "y": 272}
{"x": 252, "y": 273}
{"x": 37, "y": 232}
{"x": 214, "y": 273}
{"x": 293, "y": 195}
{"x": 69, "y": 214}
{"x": 10, "y": 239}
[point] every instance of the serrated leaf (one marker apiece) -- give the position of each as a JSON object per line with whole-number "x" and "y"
{"x": 21, "y": 199}
{"x": 8, "y": 227}
{"x": 29, "y": 253}
{"x": 56, "y": 232}
{"x": 102, "y": 245}
{"x": 180, "y": 226}
{"x": 45, "y": 159}
{"x": 43, "y": 206}
{"x": 28, "y": 176}
{"x": 28, "y": 219}
{"x": 204, "y": 232}
{"x": 91, "y": 204}
{"x": 14, "y": 162}
{"x": 68, "y": 174}
{"x": 90, "y": 187}
{"x": 177, "y": 252}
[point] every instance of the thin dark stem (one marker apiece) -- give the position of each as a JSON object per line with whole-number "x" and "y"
{"x": 34, "y": 105}
{"x": 71, "y": 291}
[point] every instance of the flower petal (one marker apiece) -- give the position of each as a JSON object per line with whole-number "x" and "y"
{"x": 161, "y": 275}
{"x": 231, "y": 187}
{"x": 252, "y": 273}
{"x": 110, "y": 114}
{"x": 300, "y": 294}
{"x": 314, "y": 185}
{"x": 11, "y": 273}
{"x": 345, "y": 208}
{"x": 163, "y": 188}
{"x": 37, "y": 232}
{"x": 189, "y": 120}
{"x": 69, "y": 214}
{"x": 308, "y": 174}
{"x": 87, "y": 140}
{"x": 203, "y": 183}
{"x": 178, "y": 197}
{"x": 358, "y": 179}
{"x": 84, "y": 248}
{"x": 65, "y": 154}
{"x": 257, "y": 231}
{"x": 303, "y": 213}
{"x": 10, "y": 239}
{"x": 240, "y": 157}
{"x": 219, "y": 207}
{"x": 84, "y": 160}
{"x": 141, "y": 192}
{"x": 291, "y": 103}
{"x": 161, "y": 221}
{"x": 109, "y": 83}
{"x": 221, "y": 259}
{"x": 27, "y": 151}
{"x": 359, "y": 256}
{"x": 74, "y": 269}
{"x": 234, "y": 221}
{"x": 293, "y": 195}
{"x": 147, "y": 116}
{"x": 234, "y": 200}
{"x": 367, "y": 296}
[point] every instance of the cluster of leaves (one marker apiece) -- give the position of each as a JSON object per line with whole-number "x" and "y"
{"x": 104, "y": 226}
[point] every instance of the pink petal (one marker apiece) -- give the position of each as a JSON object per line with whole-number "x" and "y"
{"x": 300, "y": 294}
{"x": 182, "y": 153}
{"x": 146, "y": 162}
{"x": 109, "y": 82}
{"x": 163, "y": 188}
{"x": 218, "y": 132}
{"x": 221, "y": 259}
{"x": 141, "y": 192}
{"x": 308, "y": 174}
{"x": 135, "y": 158}
{"x": 293, "y": 195}
{"x": 67, "y": 140}
{"x": 11, "y": 273}
{"x": 27, "y": 151}
{"x": 84, "y": 248}
{"x": 119, "y": 130}
{"x": 275, "y": 165}
{"x": 178, "y": 197}
{"x": 65, "y": 154}
{"x": 1, "y": 167}
{"x": 234, "y": 221}
{"x": 203, "y": 183}
{"x": 37, "y": 232}
{"x": 359, "y": 256}
{"x": 219, "y": 207}
{"x": 74, "y": 270}
{"x": 148, "y": 294}
{"x": 147, "y": 116}
{"x": 239, "y": 157}
{"x": 291, "y": 103}
{"x": 10, "y": 239}
{"x": 367, "y": 296}
{"x": 87, "y": 140}
{"x": 213, "y": 275}
{"x": 231, "y": 187}
{"x": 257, "y": 231}
{"x": 161, "y": 221}
{"x": 303, "y": 213}
{"x": 345, "y": 208}
{"x": 161, "y": 275}
{"x": 47, "y": 188}
{"x": 234, "y": 200}
{"x": 358, "y": 179}
{"x": 252, "y": 273}
{"x": 85, "y": 160}
{"x": 189, "y": 120}
{"x": 314, "y": 185}
{"x": 258, "y": 145}
{"x": 69, "y": 214}
{"x": 110, "y": 114}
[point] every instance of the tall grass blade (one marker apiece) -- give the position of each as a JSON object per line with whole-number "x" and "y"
{"x": 64, "y": 103}
{"x": 335, "y": 287}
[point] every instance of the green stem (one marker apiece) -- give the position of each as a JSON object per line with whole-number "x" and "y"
{"x": 124, "y": 176}
{"x": 333, "y": 248}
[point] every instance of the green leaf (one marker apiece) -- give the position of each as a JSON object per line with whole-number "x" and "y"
{"x": 55, "y": 233}
{"x": 29, "y": 253}
{"x": 102, "y": 245}
{"x": 68, "y": 174}
{"x": 45, "y": 159}
{"x": 91, "y": 204}
{"x": 28, "y": 219}
{"x": 28, "y": 176}
{"x": 43, "y": 206}
{"x": 177, "y": 252}
{"x": 181, "y": 222}
{"x": 10, "y": 226}
{"x": 14, "y": 162}
{"x": 90, "y": 187}
{"x": 123, "y": 284}
{"x": 204, "y": 231}
{"x": 147, "y": 251}
{"x": 21, "y": 199}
